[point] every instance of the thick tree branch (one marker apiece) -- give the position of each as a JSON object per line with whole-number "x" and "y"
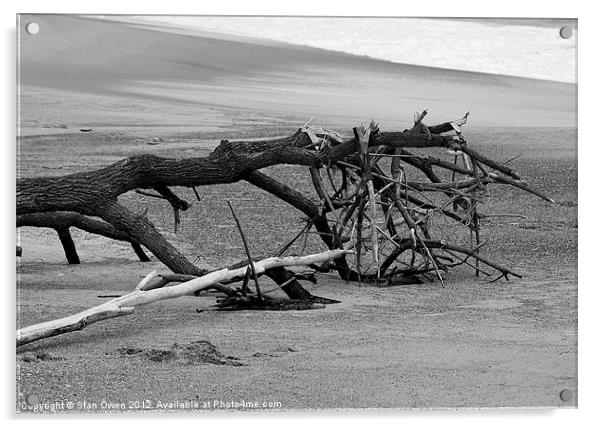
{"x": 229, "y": 162}
{"x": 143, "y": 231}
{"x": 66, "y": 219}
{"x": 61, "y": 220}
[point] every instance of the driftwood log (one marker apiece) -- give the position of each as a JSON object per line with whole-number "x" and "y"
{"x": 146, "y": 293}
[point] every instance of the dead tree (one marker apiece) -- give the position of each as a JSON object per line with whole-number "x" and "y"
{"x": 358, "y": 190}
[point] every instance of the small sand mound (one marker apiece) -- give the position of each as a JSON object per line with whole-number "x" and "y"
{"x": 197, "y": 352}
{"x": 36, "y": 357}
{"x": 498, "y": 304}
{"x": 283, "y": 348}
{"x": 274, "y": 352}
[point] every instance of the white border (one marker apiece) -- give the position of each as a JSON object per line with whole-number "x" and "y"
{"x": 589, "y": 159}
{"x": 461, "y": 8}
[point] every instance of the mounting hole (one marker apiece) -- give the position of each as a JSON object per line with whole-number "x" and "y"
{"x": 566, "y": 395}
{"x": 32, "y": 28}
{"x": 32, "y": 399}
{"x": 566, "y": 32}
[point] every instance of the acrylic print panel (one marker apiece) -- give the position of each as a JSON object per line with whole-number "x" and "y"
{"x": 426, "y": 259}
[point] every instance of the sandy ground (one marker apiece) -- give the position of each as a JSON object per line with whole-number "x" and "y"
{"x": 469, "y": 344}
{"x": 108, "y": 74}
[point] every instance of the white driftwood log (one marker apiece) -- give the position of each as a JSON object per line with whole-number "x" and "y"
{"x": 124, "y": 305}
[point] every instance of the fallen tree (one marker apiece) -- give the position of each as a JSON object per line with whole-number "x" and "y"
{"x": 145, "y": 293}
{"x": 385, "y": 216}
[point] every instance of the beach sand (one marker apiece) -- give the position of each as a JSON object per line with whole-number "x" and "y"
{"x": 86, "y": 72}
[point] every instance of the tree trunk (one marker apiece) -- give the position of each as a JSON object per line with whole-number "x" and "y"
{"x": 89, "y": 192}
{"x": 142, "y": 230}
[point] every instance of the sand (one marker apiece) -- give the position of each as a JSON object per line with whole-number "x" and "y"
{"x": 135, "y": 75}
{"x": 470, "y": 344}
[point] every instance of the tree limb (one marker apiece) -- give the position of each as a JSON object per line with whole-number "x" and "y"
{"x": 124, "y": 305}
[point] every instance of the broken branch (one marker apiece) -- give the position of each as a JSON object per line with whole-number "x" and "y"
{"x": 125, "y": 305}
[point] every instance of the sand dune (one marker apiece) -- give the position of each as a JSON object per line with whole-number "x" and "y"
{"x": 86, "y": 71}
